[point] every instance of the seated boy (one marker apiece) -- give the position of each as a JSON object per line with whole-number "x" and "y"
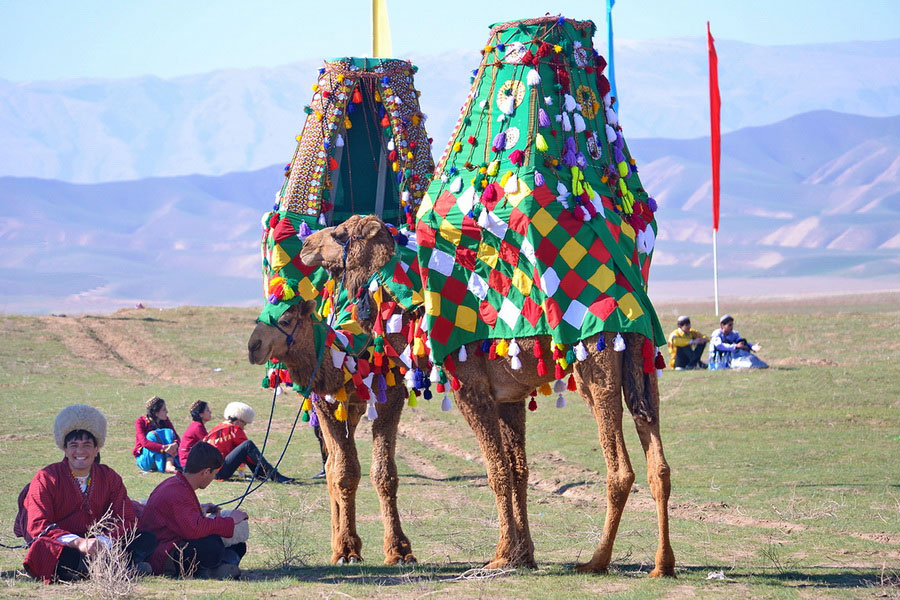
{"x": 189, "y": 541}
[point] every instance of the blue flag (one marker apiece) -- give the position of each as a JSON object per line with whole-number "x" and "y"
{"x": 612, "y": 67}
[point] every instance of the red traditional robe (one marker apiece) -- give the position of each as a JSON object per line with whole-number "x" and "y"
{"x": 173, "y": 513}
{"x": 226, "y": 437}
{"x": 194, "y": 433}
{"x": 142, "y": 427}
{"x": 56, "y": 506}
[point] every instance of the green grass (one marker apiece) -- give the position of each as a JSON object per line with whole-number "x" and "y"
{"x": 786, "y": 479}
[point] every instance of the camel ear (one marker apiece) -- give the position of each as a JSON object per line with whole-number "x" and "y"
{"x": 307, "y": 308}
{"x": 371, "y": 227}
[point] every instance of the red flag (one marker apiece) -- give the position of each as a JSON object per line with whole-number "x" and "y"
{"x": 715, "y": 104}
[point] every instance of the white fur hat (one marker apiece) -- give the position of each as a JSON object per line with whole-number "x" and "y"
{"x": 239, "y": 410}
{"x": 79, "y": 416}
{"x": 241, "y": 530}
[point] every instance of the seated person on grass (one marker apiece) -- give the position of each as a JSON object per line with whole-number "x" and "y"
{"x": 686, "y": 346}
{"x": 67, "y": 502}
{"x": 229, "y": 438}
{"x": 189, "y": 541}
{"x": 156, "y": 442}
{"x": 729, "y": 350}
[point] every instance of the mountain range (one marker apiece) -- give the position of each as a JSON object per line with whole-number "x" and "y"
{"x": 815, "y": 194}
{"x": 96, "y": 130}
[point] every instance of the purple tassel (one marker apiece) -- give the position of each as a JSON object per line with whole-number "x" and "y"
{"x": 543, "y": 119}
{"x": 601, "y": 342}
{"x": 499, "y": 142}
{"x": 651, "y": 202}
{"x": 273, "y": 299}
{"x": 539, "y": 179}
{"x": 618, "y": 156}
{"x": 305, "y": 231}
{"x": 580, "y": 160}
{"x": 313, "y": 418}
{"x": 382, "y": 388}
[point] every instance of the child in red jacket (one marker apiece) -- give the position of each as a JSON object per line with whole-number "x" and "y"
{"x": 229, "y": 438}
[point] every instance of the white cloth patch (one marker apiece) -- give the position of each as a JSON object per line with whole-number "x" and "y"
{"x": 528, "y": 251}
{"x": 574, "y": 315}
{"x": 549, "y": 282}
{"x": 441, "y": 262}
{"x": 467, "y": 200}
{"x": 337, "y": 358}
{"x": 477, "y": 286}
{"x": 394, "y": 324}
{"x": 509, "y": 312}
{"x": 496, "y": 225}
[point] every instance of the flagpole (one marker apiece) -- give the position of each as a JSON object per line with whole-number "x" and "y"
{"x": 716, "y": 272}
{"x": 612, "y": 63}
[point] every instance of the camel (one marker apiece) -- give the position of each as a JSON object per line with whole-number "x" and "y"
{"x": 491, "y": 395}
{"x": 342, "y": 467}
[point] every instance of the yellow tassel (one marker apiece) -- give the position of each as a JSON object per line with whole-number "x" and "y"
{"x": 563, "y": 364}
{"x": 419, "y": 347}
{"x": 457, "y": 147}
{"x": 415, "y": 119}
{"x": 482, "y": 170}
{"x": 409, "y": 155}
{"x": 347, "y": 124}
{"x": 340, "y": 413}
{"x": 540, "y": 143}
{"x": 545, "y": 389}
{"x": 389, "y": 379}
{"x": 287, "y": 293}
{"x": 484, "y": 183}
{"x": 395, "y": 166}
{"x": 488, "y": 48}
{"x": 297, "y": 138}
{"x": 557, "y": 48}
{"x": 604, "y": 178}
{"x": 341, "y": 395}
{"x": 377, "y": 96}
{"x": 502, "y": 348}
{"x": 505, "y": 178}
{"x": 340, "y": 78}
{"x": 315, "y": 87}
{"x": 413, "y": 401}
{"x": 319, "y": 116}
{"x": 493, "y": 168}
{"x": 623, "y": 169}
{"x": 307, "y": 405}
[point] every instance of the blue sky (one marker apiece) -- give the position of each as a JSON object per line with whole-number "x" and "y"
{"x": 52, "y": 39}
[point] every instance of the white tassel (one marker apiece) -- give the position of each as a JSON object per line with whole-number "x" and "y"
{"x": 579, "y": 122}
{"x": 611, "y": 117}
{"x": 445, "y": 404}
{"x": 560, "y": 401}
{"x": 569, "y": 102}
{"x": 371, "y": 414}
{"x": 405, "y": 196}
{"x": 533, "y": 78}
{"x": 456, "y": 186}
{"x": 513, "y": 352}
{"x": 607, "y": 99}
{"x": 462, "y": 354}
{"x": 329, "y": 398}
{"x": 559, "y": 386}
{"x": 619, "y": 343}
{"x": 322, "y": 221}
{"x": 445, "y": 178}
{"x": 580, "y": 352}
{"x": 339, "y": 141}
{"x": 566, "y": 122}
{"x": 558, "y": 118}
{"x": 611, "y": 134}
{"x": 409, "y": 380}
{"x": 435, "y": 376}
{"x": 659, "y": 373}
{"x": 483, "y": 221}
{"x": 350, "y": 364}
{"x": 516, "y": 363}
{"x": 512, "y": 185}
{"x": 508, "y": 105}
{"x": 501, "y": 118}
{"x": 483, "y": 104}
{"x": 278, "y": 390}
{"x": 548, "y": 100}
{"x": 390, "y": 145}
{"x": 561, "y": 189}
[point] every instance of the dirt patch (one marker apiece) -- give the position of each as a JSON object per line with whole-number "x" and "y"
{"x": 795, "y": 361}
{"x": 881, "y": 537}
{"x": 422, "y": 466}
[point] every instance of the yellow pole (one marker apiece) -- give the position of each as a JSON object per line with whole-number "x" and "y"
{"x": 381, "y": 30}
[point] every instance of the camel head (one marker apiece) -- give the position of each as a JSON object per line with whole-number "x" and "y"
{"x": 353, "y": 250}
{"x": 269, "y": 340}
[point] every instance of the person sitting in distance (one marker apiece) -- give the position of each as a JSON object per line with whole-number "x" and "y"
{"x": 156, "y": 442}
{"x": 230, "y": 439}
{"x": 686, "y": 346}
{"x": 729, "y": 350}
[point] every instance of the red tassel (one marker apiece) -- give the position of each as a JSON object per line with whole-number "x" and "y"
{"x": 449, "y": 365}
{"x": 273, "y": 221}
{"x": 385, "y": 122}
{"x": 532, "y": 406}
{"x": 363, "y": 392}
{"x": 454, "y": 382}
{"x": 357, "y": 96}
{"x": 493, "y": 353}
{"x": 537, "y": 350}
{"x": 440, "y": 388}
{"x": 557, "y": 353}
{"x": 541, "y": 367}
{"x": 472, "y": 140}
{"x": 544, "y": 49}
{"x": 571, "y": 384}
{"x": 649, "y": 353}
{"x": 332, "y": 164}
{"x": 558, "y": 371}
{"x": 660, "y": 361}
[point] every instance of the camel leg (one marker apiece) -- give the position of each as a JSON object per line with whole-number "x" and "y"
{"x": 481, "y": 413}
{"x": 512, "y": 429}
{"x": 599, "y": 382}
{"x": 384, "y": 475}
{"x": 342, "y": 473}
{"x": 658, "y": 474}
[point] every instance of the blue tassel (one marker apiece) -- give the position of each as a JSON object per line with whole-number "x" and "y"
{"x": 382, "y": 388}
{"x": 601, "y": 342}
{"x": 486, "y": 346}
{"x": 419, "y": 379}
{"x": 427, "y": 394}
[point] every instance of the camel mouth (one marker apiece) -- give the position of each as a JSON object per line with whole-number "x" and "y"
{"x": 254, "y": 352}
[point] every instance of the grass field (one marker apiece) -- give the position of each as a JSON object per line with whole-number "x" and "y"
{"x": 787, "y": 481}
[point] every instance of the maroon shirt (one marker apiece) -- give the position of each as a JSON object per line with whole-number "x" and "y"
{"x": 142, "y": 427}
{"x": 56, "y": 506}
{"x": 194, "y": 433}
{"x": 173, "y": 513}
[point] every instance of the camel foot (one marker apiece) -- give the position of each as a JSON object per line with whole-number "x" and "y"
{"x": 506, "y": 563}
{"x": 591, "y": 568}
{"x": 397, "y": 558}
{"x": 347, "y": 559}
{"x": 663, "y": 572}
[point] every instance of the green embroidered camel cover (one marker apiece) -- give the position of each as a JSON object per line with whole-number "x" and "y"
{"x": 536, "y": 222}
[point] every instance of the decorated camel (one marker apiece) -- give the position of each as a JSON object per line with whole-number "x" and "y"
{"x": 532, "y": 246}
{"x": 363, "y": 148}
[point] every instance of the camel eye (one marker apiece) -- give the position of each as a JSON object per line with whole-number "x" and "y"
{"x": 340, "y": 236}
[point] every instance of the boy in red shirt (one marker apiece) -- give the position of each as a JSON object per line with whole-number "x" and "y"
{"x": 187, "y": 539}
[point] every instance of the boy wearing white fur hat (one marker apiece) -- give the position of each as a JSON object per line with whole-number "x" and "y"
{"x": 229, "y": 438}
{"x": 65, "y": 499}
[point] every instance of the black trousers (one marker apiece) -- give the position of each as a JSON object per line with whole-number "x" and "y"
{"x": 72, "y": 564}
{"x": 689, "y": 356}
{"x": 317, "y": 430}
{"x": 246, "y": 452}
{"x": 206, "y": 553}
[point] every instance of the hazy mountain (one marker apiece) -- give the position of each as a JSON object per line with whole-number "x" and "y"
{"x": 817, "y": 194}
{"x": 91, "y": 130}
